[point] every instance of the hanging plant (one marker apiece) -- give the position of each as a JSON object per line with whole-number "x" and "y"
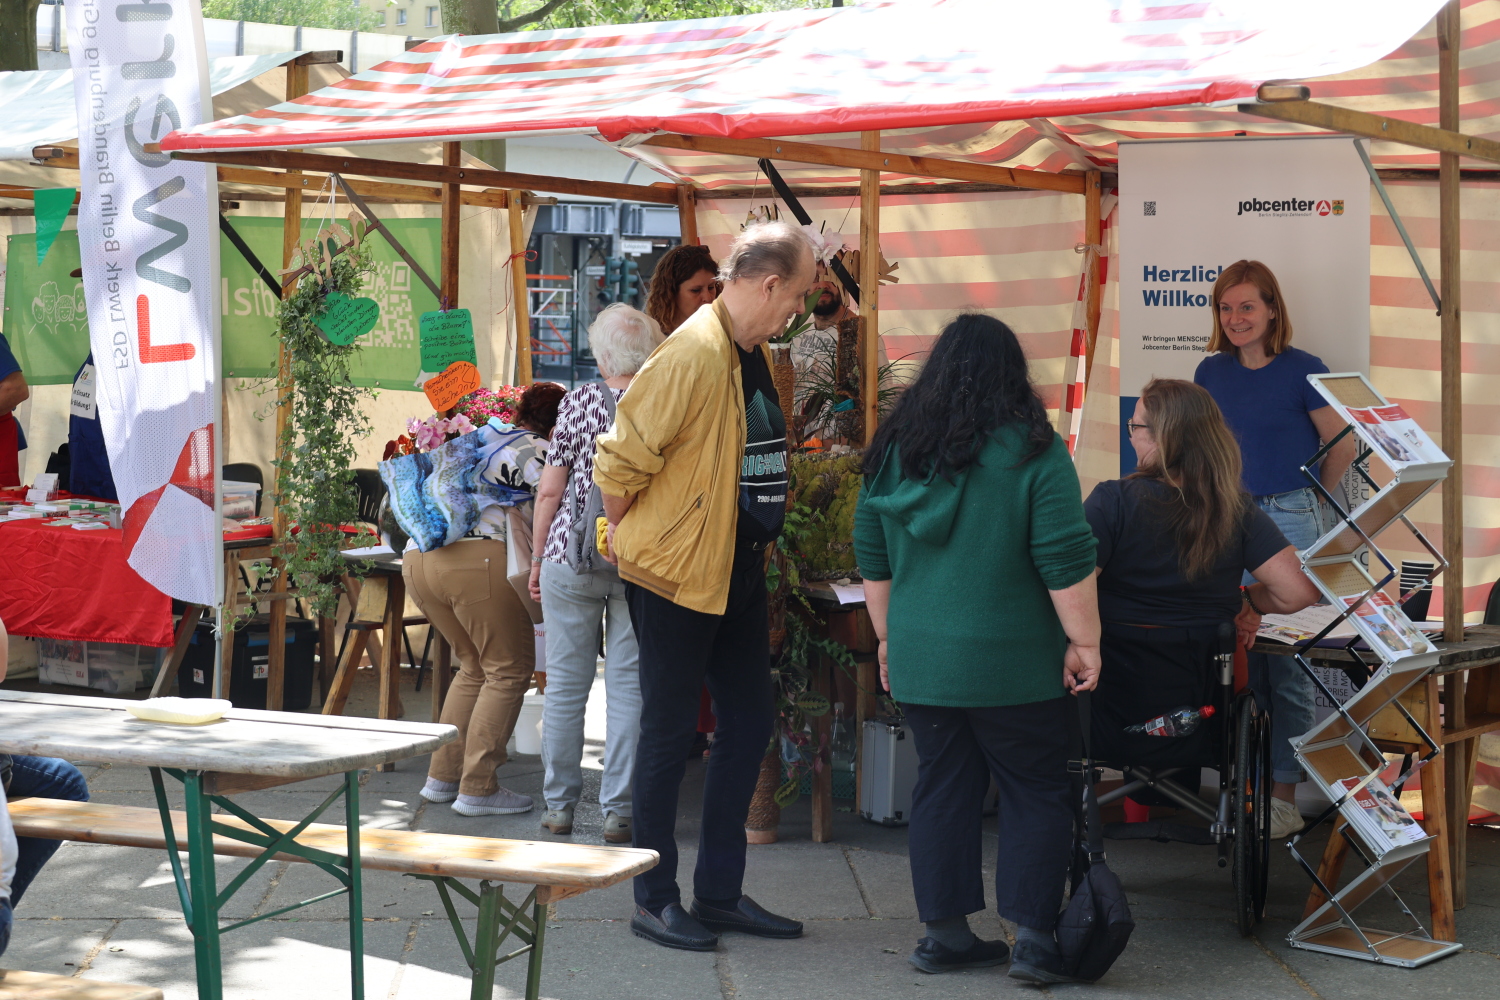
{"x": 325, "y": 416}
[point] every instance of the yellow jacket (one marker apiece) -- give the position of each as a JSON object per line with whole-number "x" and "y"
{"x": 677, "y": 444}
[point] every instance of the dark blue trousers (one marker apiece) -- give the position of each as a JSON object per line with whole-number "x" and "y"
{"x": 1025, "y": 749}
{"x": 47, "y": 778}
{"x": 681, "y": 650}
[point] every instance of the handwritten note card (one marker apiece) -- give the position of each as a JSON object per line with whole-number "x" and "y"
{"x": 347, "y": 319}
{"x": 447, "y": 337}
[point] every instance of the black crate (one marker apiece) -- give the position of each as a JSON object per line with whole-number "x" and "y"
{"x": 247, "y": 675}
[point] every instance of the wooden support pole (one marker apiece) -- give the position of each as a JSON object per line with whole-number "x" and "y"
{"x": 291, "y": 235}
{"x": 521, "y": 298}
{"x": 1093, "y": 234}
{"x": 1335, "y": 119}
{"x": 449, "y": 255}
{"x": 1435, "y": 820}
{"x": 687, "y": 214}
{"x": 869, "y": 288}
{"x": 1451, "y": 343}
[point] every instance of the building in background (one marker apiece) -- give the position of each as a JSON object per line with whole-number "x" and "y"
{"x": 411, "y": 18}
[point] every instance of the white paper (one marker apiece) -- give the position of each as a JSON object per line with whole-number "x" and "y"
{"x": 83, "y": 394}
{"x": 370, "y": 550}
{"x": 849, "y": 593}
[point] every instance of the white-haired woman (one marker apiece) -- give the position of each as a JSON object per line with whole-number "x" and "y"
{"x": 575, "y": 604}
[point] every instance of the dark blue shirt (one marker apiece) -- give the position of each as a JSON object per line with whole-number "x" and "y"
{"x": 8, "y": 366}
{"x": 88, "y": 460}
{"x": 1268, "y": 411}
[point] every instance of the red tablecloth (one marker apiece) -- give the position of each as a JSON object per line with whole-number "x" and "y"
{"x": 59, "y": 583}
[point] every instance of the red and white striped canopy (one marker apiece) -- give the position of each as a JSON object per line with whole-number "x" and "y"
{"x": 949, "y": 68}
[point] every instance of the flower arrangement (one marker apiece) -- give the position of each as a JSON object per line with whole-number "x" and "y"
{"x": 426, "y": 435}
{"x": 482, "y": 404}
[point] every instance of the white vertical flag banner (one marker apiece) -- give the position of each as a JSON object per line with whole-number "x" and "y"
{"x": 148, "y": 237}
{"x": 1189, "y": 209}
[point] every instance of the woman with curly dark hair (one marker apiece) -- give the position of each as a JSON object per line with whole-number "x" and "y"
{"x": 685, "y": 278}
{"x": 979, "y": 577}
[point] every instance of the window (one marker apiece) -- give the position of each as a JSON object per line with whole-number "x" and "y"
{"x": 380, "y": 18}
{"x": 400, "y": 17}
{"x": 432, "y": 17}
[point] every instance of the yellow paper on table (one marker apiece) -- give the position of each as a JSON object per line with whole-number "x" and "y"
{"x": 601, "y": 526}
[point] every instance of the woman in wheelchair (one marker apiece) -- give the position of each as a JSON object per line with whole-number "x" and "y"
{"x": 1174, "y": 539}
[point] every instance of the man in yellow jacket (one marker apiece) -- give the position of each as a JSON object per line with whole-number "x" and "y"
{"x": 694, "y": 477}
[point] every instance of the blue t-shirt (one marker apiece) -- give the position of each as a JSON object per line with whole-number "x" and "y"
{"x": 1267, "y": 409}
{"x": 9, "y": 365}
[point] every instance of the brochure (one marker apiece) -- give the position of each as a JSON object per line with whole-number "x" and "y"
{"x": 1387, "y": 628}
{"x": 1396, "y": 435}
{"x": 1303, "y": 625}
{"x": 1382, "y": 822}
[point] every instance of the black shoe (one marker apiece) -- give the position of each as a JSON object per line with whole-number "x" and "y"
{"x": 673, "y": 929}
{"x": 934, "y": 956}
{"x": 1037, "y": 966}
{"x": 747, "y": 916}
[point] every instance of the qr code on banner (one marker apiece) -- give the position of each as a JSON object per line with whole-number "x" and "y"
{"x": 1150, "y": 208}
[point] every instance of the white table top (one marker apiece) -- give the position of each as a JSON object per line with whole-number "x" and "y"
{"x": 245, "y": 741}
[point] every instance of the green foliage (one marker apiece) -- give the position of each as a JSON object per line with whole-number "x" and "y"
{"x": 819, "y": 391}
{"x": 582, "y": 13}
{"x": 325, "y": 419}
{"x": 340, "y": 14}
{"x": 827, "y": 489}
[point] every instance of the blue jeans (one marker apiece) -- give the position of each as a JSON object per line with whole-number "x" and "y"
{"x": 1278, "y": 682}
{"x": 4, "y": 925}
{"x": 574, "y": 606}
{"x": 47, "y": 778}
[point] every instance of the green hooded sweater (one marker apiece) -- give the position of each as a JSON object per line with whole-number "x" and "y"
{"x": 971, "y": 624}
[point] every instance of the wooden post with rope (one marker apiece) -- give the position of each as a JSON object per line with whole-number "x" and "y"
{"x": 521, "y": 304}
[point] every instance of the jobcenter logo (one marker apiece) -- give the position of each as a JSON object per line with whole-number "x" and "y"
{"x": 1292, "y": 206}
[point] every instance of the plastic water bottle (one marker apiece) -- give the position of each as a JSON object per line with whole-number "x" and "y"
{"x": 1180, "y": 722}
{"x": 841, "y": 740}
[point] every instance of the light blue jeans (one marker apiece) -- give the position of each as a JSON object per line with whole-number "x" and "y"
{"x": 574, "y": 606}
{"x": 1278, "y": 682}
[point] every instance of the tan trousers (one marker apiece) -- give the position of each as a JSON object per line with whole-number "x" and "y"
{"x": 463, "y": 590}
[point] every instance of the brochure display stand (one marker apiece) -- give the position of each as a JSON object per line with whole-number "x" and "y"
{"x": 1338, "y": 753}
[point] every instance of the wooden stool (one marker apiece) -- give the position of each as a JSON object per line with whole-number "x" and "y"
{"x": 16, "y": 985}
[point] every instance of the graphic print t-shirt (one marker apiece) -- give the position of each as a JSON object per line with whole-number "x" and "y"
{"x": 763, "y": 474}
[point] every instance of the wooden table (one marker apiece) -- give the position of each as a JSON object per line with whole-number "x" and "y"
{"x": 244, "y": 751}
{"x": 1457, "y": 703}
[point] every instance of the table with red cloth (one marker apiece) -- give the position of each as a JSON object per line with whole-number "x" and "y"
{"x": 66, "y": 584}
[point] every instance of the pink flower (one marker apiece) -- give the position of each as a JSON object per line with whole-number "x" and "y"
{"x": 460, "y": 424}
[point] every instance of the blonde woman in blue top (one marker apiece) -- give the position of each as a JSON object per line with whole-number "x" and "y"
{"x": 1260, "y": 382}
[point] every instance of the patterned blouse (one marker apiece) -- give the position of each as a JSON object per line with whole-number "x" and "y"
{"x": 581, "y": 417}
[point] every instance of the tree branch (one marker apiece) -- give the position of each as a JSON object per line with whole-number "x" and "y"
{"x": 531, "y": 17}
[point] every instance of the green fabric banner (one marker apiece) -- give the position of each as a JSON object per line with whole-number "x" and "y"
{"x": 51, "y": 207}
{"x": 47, "y": 325}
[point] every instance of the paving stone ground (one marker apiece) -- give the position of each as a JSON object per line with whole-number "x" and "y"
{"x": 110, "y": 913}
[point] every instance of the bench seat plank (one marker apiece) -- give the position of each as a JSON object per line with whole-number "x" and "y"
{"x": 17, "y": 985}
{"x": 564, "y": 865}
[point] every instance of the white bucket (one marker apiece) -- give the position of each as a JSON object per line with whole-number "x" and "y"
{"x": 529, "y": 724}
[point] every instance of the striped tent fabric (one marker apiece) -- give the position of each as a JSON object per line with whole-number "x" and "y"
{"x": 891, "y": 65}
{"x": 1007, "y": 253}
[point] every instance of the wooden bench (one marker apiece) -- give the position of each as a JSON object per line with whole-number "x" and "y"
{"x": 16, "y": 985}
{"x": 553, "y": 871}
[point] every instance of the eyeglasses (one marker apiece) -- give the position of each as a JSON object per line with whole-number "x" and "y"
{"x": 1137, "y": 427}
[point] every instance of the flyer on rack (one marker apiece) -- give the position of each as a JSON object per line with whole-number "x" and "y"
{"x": 1396, "y": 435}
{"x": 1381, "y": 820}
{"x": 1388, "y": 627}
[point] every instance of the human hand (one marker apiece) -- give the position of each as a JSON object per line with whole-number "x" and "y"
{"x": 1246, "y": 623}
{"x": 609, "y": 545}
{"x": 1081, "y": 668}
{"x": 885, "y": 672}
{"x": 534, "y": 584}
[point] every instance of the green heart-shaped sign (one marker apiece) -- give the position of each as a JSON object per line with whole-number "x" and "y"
{"x": 347, "y": 319}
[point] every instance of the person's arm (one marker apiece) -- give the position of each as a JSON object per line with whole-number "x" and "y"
{"x": 878, "y": 603}
{"x": 1281, "y": 587}
{"x": 615, "y": 509}
{"x": 873, "y": 559}
{"x": 1329, "y": 424}
{"x": 549, "y": 494}
{"x": 13, "y": 391}
{"x": 1078, "y": 609}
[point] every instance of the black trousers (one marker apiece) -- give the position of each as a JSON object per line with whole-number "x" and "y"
{"x": 680, "y": 651}
{"x": 1025, "y": 749}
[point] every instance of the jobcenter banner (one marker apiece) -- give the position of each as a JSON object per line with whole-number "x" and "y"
{"x": 1188, "y": 209}
{"x": 149, "y": 244}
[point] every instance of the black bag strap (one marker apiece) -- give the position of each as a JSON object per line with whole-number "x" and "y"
{"x": 1090, "y": 800}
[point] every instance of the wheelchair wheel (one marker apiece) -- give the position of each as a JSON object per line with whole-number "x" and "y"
{"x": 1252, "y": 813}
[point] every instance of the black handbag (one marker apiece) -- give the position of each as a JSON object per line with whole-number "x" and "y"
{"x": 1096, "y": 926}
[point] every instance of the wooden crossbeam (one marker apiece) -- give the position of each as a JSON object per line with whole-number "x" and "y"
{"x": 859, "y": 159}
{"x": 1334, "y": 119}
{"x": 433, "y": 173}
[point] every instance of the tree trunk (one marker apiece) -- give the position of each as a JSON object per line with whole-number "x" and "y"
{"x": 474, "y": 17}
{"x": 18, "y": 34}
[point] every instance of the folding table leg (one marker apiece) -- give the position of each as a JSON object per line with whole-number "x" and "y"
{"x": 534, "y": 960}
{"x": 486, "y": 941}
{"x": 203, "y": 888}
{"x": 356, "y": 893}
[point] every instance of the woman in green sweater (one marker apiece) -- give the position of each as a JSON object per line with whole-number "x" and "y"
{"x": 978, "y": 567}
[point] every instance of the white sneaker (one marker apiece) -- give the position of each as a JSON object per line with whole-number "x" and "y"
{"x": 503, "y": 803}
{"x": 439, "y": 791}
{"x": 1285, "y": 819}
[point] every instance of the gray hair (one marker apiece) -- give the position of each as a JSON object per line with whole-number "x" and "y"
{"x": 622, "y": 338}
{"x": 778, "y": 248}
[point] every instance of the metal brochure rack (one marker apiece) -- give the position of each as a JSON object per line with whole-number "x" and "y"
{"x": 1338, "y": 753}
